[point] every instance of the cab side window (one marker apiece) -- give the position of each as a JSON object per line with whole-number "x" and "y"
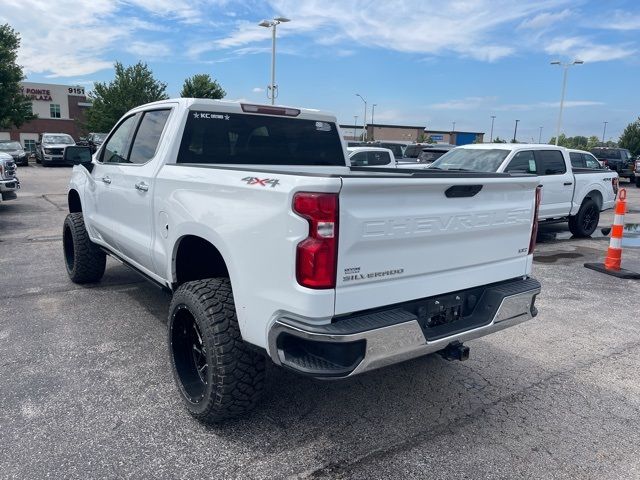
{"x": 522, "y": 162}
{"x": 378, "y": 158}
{"x": 148, "y": 136}
{"x": 359, "y": 159}
{"x": 577, "y": 160}
{"x": 116, "y": 149}
{"x": 550, "y": 162}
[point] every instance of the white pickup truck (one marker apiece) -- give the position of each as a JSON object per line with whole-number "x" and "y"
{"x": 574, "y": 195}
{"x": 273, "y": 248}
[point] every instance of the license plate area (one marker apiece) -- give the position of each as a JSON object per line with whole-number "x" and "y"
{"x": 447, "y": 315}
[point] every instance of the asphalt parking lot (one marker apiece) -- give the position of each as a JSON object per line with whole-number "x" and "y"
{"x": 86, "y": 390}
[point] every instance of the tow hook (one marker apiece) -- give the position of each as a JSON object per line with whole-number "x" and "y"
{"x": 455, "y": 351}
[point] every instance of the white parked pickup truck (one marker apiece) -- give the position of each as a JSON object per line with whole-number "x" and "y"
{"x": 273, "y": 248}
{"x": 574, "y": 195}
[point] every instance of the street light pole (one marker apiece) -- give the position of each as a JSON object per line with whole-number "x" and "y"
{"x": 364, "y": 121}
{"x": 355, "y": 125}
{"x": 493, "y": 117}
{"x": 540, "y": 136}
{"x": 454, "y": 126}
{"x": 273, "y": 88}
{"x": 604, "y": 131}
{"x": 373, "y": 125}
{"x": 515, "y": 131}
{"x": 565, "y": 67}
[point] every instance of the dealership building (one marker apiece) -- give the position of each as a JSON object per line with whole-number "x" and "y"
{"x": 60, "y": 109}
{"x": 410, "y": 133}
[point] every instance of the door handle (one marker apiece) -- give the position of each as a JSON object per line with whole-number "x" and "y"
{"x": 106, "y": 180}
{"x": 568, "y": 183}
{"x": 143, "y": 187}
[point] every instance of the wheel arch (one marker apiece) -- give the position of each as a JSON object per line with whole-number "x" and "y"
{"x": 73, "y": 200}
{"x": 596, "y": 196}
{"x": 196, "y": 258}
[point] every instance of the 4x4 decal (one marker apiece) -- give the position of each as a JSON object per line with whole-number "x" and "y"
{"x": 263, "y": 182}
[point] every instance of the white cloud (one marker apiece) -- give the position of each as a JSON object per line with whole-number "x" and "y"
{"x": 620, "y": 20}
{"x": 257, "y": 89}
{"x": 546, "y": 20}
{"x": 463, "y": 27}
{"x": 584, "y": 49}
{"x": 467, "y": 103}
{"x": 148, "y": 49}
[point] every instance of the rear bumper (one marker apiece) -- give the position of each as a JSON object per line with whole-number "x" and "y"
{"x": 364, "y": 342}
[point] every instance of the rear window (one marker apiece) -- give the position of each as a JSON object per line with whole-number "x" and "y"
{"x": 428, "y": 156}
{"x": 606, "y": 153}
{"x": 473, "y": 159}
{"x": 412, "y": 151}
{"x": 233, "y": 138}
{"x": 370, "y": 158}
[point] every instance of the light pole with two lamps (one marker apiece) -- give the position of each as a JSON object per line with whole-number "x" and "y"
{"x": 565, "y": 67}
{"x": 273, "y": 88}
{"x": 364, "y": 121}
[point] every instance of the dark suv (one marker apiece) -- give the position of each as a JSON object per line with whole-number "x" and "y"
{"x": 618, "y": 159}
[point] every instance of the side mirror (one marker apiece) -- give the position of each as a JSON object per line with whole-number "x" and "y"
{"x": 76, "y": 155}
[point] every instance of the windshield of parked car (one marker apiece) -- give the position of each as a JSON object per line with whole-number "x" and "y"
{"x": 99, "y": 137}
{"x": 474, "y": 159}
{"x": 63, "y": 139}
{"x": 10, "y": 146}
{"x": 234, "y": 138}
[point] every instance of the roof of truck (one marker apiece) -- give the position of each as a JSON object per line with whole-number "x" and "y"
{"x": 236, "y": 105}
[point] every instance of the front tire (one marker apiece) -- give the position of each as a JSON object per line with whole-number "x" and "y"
{"x": 84, "y": 260}
{"x": 218, "y": 375}
{"x": 585, "y": 222}
{"x": 638, "y": 182}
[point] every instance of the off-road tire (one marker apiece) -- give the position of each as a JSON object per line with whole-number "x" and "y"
{"x": 84, "y": 260}
{"x": 585, "y": 222}
{"x": 233, "y": 381}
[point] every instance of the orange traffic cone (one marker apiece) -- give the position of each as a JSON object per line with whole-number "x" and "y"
{"x": 613, "y": 260}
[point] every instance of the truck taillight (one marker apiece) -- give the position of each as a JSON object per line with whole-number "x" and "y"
{"x": 534, "y": 229}
{"x": 317, "y": 255}
{"x": 614, "y": 184}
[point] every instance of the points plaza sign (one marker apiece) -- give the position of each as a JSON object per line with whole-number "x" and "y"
{"x": 41, "y": 94}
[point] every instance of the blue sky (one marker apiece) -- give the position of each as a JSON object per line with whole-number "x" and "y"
{"x": 421, "y": 62}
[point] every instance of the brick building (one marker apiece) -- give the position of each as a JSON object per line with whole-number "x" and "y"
{"x": 409, "y": 133}
{"x": 60, "y": 109}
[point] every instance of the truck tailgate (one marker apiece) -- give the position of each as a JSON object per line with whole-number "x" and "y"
{"x": 407, "y": 238}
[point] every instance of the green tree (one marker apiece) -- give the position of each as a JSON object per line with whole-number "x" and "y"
{"x": 202, "y": 86}
{"x": 15, "y": 108}
{"x": 132, "y": 86}
{"x": 499, "y": 140}
{"x": 592, "y": 142}
{"x": 630, "y": 138}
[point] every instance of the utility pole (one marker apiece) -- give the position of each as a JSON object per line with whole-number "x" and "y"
{"x": 355, "y": 125}
{"x": 453, "y": 129}
{"x": 604, "y": 131}
{"x": 540, "y": 136}
{"x": 515, "y": 131}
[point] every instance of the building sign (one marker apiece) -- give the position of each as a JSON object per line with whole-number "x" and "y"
{"x": 437, "y": 138}
{"x": 40, "y": 94}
